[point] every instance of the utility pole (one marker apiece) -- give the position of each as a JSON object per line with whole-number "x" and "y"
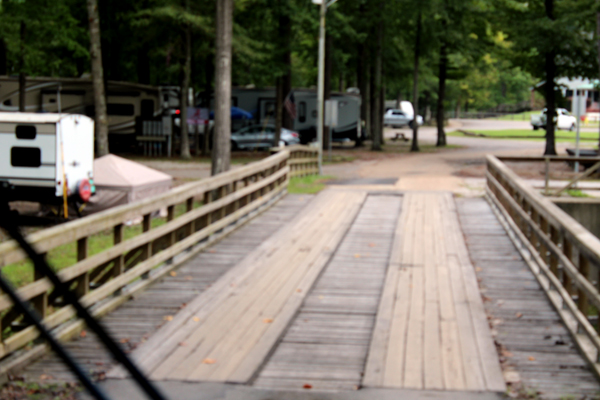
{"x": 321, "y": 84}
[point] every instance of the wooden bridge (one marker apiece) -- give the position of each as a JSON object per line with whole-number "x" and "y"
{"x": 243, "y": 292}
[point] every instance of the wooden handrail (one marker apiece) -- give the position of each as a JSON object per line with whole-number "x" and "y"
{"x": 227, "y": 198}
{"x": 561, "y": 252}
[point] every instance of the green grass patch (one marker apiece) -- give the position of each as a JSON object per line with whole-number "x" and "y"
{"x": 524, "y": 116}
{"x": 308, "y": 184}
{"x": 21, "y": 273}
{"x": 527, "y": 134}
{"x": 577, "y": 193}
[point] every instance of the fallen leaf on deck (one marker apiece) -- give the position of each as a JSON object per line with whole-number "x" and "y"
{"x": 173, "y": 273}
{"x": 209, "y": 361}
{"x": 507, "y": 353}
{"x": 182, "y": 344}
{"x": 124, "y": 340}
{"x": 83, "y": 334}
{"x": 512, "y": 377}
{"x": 212, "y": 251}
{"x": 307, "y": 386}
{"x": 196, "y": 319}
{"x": 168, "y": 318}
{"x": 299, "y": 290}
{"x": 188, "y": 278}
{"x": 478, "y": 269}
{"x": 372, "y": 245}
{"x": 531, "y": 358}
{"x": 321, "y": 297}
{"x": 268, "y": 320}
{"x": 357, "y": 256}
{"x": 518, "y": 315}
{"x": 44, "y": 377}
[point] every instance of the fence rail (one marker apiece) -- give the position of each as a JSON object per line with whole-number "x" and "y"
{"x": 105, "y": 280}
{"x": 564, "y": 256}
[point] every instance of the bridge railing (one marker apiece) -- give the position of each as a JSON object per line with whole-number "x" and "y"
{"x": 564, "y": 256}
{"x": 197, "y": 214}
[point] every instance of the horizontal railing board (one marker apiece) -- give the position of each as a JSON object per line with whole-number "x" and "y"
{"x": 71, "y": 231}
{"x": 562, "y": 221}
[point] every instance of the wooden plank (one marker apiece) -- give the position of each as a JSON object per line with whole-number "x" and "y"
{"x": 432, "y": 365}
{"x": 158, "y": 347}
{"x": 180, "y": 363}
{"x": 375, "y": 365}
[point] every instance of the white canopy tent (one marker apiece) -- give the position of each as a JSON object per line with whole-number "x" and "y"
{"x": 119, "y": 181}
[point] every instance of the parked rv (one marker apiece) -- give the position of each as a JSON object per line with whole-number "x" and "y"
{"x": 261, "y": 103}
{"x": 40, "y": 154}
{"x": 128, "y": 104}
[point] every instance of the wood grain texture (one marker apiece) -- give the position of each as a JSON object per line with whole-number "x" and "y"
{"x": 137, "y": 320}
{"x": 327, "y": 343}
{"x": 438, "y": 337}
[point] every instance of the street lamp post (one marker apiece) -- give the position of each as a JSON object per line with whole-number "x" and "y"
{"x": 321, "y": 84}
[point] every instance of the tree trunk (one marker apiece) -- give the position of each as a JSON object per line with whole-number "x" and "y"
{"x": 550, "y": 94}
{"x": 185, "y": 88}
{"x": 221, "y": 154}
{"x": 208, "y": 75}
{"x": 598, "y": 39}
{"x": 98, "y": 80}
{"x": 372, "y": 103}
{"x": 22, "y": 83}
{"x": 285, "y": 31}
{"x": 3, "y": 59}
{"x": 362, "y": 86}
{"x": 415, "y": 127}
{"x": 327, "y": 93}
{"x": 377, "y": 113}
{"x": 367, "y": 100}
{"x": 441, "y": 134}
{"x": 278, "y": 110}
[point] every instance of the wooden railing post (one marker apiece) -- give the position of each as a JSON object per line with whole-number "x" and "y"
{"x": 543, "y": 224}
{"x": 83, "y": 282}
{"x": 147, "y": 248}
{"x": 568, "y": 251}
{"x": 40, "y": 303}
{"x": 582, "y": 300}
{"x": 189, "y": 206}
{"x": 553, "y": 258}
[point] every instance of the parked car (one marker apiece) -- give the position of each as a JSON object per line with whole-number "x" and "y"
{"x": 563, "y": 120}
{"x": 404, "y": 116}
{"x": 261, "y": 136}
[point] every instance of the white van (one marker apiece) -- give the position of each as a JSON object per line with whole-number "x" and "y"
{"x": 34, "y": 149}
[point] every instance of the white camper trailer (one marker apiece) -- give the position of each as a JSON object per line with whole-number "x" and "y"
{"x": 261, "y": 103}
{"x": 34, "y": 149}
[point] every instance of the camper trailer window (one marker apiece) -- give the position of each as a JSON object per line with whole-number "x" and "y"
{"x": 26, "y": 132}
{"x": 302, "y": 112}
{"x": 25, "y": 157}
{"x": 120, "y": 109}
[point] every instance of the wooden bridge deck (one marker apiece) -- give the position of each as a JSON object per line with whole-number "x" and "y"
{"x": 342, "y": 291}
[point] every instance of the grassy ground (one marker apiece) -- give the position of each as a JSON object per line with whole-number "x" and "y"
{"x": 20, "y": 390}
{"x": 524, "y": 116}
{"x": 308, "y": 184}
{"x": 21, "y": 273}
{"x": 527, "y": 134}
